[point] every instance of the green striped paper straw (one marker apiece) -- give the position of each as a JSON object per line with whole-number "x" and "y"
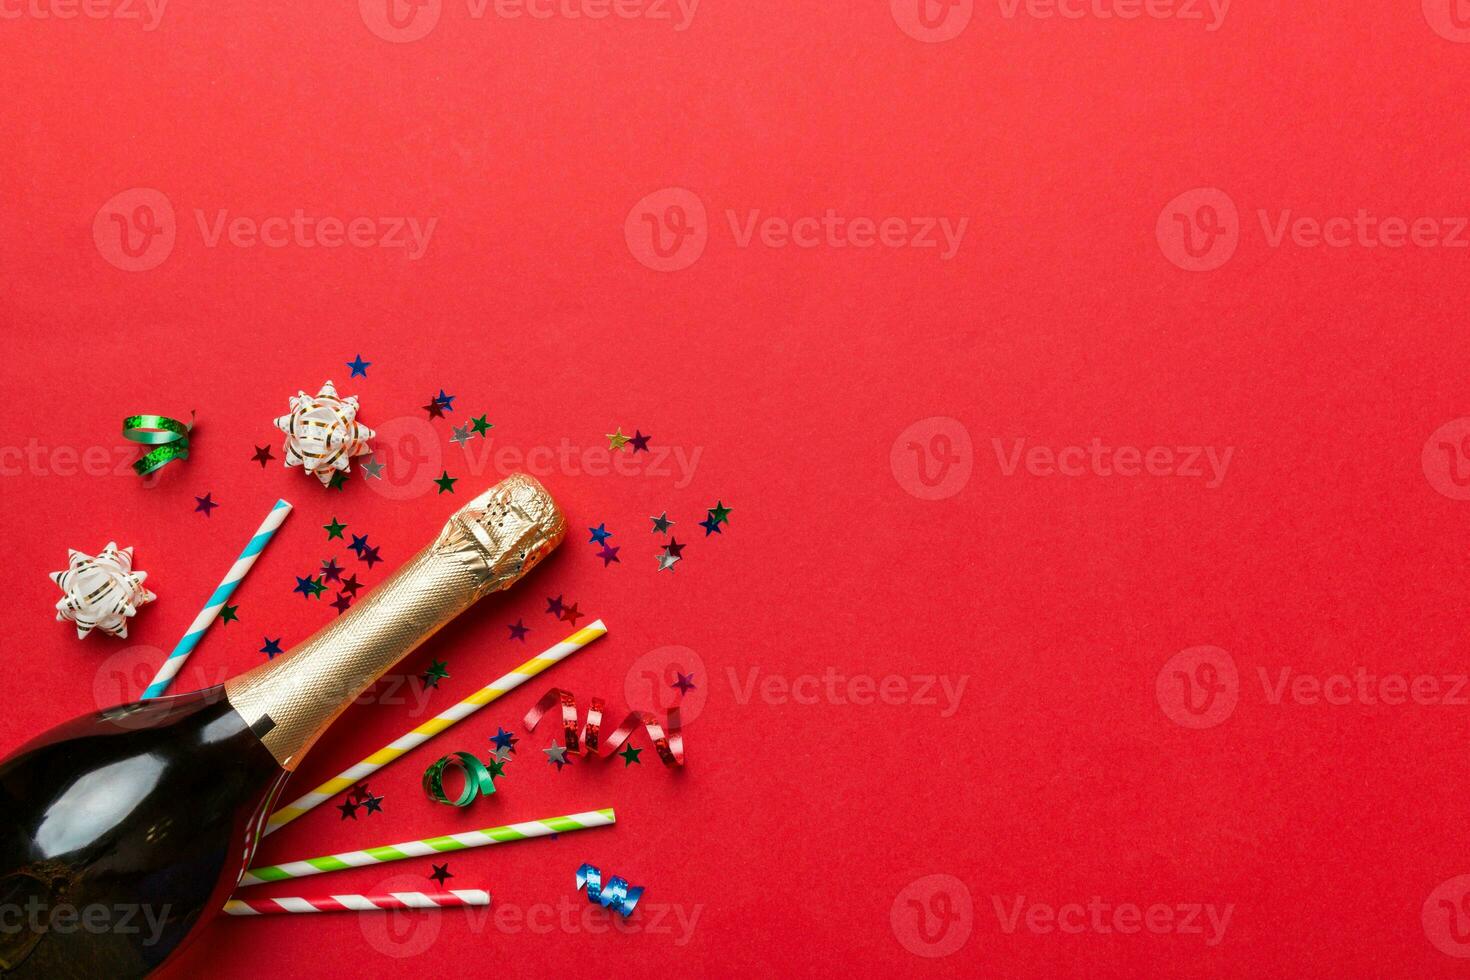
{"x": 431, "y": 845}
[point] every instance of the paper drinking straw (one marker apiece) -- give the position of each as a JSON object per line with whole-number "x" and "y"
{"x": 459, "y": 712}
{"x": 357, "y": 903}
{"x": 430, "y": 845}
{"x": 175, "y": 661}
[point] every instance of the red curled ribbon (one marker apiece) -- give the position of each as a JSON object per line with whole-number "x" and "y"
{"x": 670, "y": 746}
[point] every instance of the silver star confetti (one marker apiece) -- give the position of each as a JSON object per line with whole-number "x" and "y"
{"x": 667, "y": 560}
{"x": 461, "y": 434}
{"x": 372, "y": 468}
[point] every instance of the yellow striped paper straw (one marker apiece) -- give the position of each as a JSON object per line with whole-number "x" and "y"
{"x": 405, "y": 743}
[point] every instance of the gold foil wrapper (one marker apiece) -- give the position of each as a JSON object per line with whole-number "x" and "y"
{"x": 488, "y": 545}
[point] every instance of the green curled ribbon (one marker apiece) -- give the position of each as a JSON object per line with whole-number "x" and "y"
{"x": 477, "y": 779}
{"x": 169, "y": 436}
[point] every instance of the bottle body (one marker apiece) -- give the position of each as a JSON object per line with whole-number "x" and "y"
{"x": 123, "y": 831}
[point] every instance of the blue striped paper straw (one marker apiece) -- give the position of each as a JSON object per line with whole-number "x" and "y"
{"x": 175, "y": 661}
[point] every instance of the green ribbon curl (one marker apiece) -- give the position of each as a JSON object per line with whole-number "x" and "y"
{"x": 477, "y": 779}
{"x": 170, "y": 437}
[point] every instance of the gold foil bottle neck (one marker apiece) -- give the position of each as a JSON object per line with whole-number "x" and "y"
{"x": 486, "y": 546}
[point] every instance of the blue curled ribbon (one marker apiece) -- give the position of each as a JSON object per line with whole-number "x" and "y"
{"x": 616, "y": 896}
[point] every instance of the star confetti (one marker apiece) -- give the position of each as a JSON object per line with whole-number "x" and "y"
{"x": 359, "y": 367}
{"x": 445, "y": 401}
{"x": 608, "y": 554}
{"x": 334, "y": 530}
{"x": 557, "y": 755}
{"x": 661, "y": 523}
{"x": 667, "y": 560}
{"x": 309, "y": 587}
{"x": 571, "y": 614}
{"x": 228, "y": 614}
{"x": 331, "y": 571}
{"x": 342, "y": 603}
{"x": 446, "y": 482}
{"x": 554, "y": 606}
{"x": 675, "y": 548}
{"x": 323, "y": 434}
{"x": 373, "y": 804}
{"x": 262, "y": 455}
{"x": 639, "y": 442}
{"x": 349, "y": 809}
{"x": 337, "y": 481}
{"x": 711, "y": 526}
{"x": 101, "y": 593}
{"x": 685, "y": 683}
{"x": 271, "y": 648}
{"x": 441, "y": 873}
{"x": 205, "y": 503}
{"x": 720, "y": 513}
{"x": 360, "y": 792}
{"x": 481, "y": 426}
{"x": 503, "y": 739}
{"x": 502, "y": 755}
{"x": 496, "y": 767}
{"x": 437, "y": 672}
{"x": 372, "y": 468}
{"x": 359, "y": 544}
{"x": 461, "y": 434}
{"x": 518, "y": 630}
{"x": 600, "y": 534}
{"x": 370, "y": 555}
{"x": 630, "y": 755}
{"x": 435, "y": 410}
{"x": 350, "y": 585}
{"x": 616, "y": 440}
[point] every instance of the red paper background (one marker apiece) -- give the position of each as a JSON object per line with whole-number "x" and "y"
{"x": 800, "y": 832}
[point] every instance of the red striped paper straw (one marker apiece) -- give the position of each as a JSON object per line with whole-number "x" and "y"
{"x": 357, "y": 903}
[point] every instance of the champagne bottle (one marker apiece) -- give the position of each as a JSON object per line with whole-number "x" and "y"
{"x": 123, "y": 832}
